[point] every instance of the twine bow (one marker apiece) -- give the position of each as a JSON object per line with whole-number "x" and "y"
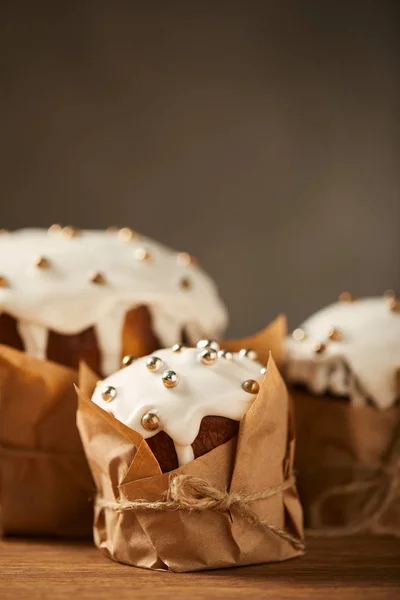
{"x": 382, "y": 488}
{"x": 194, "y": 494}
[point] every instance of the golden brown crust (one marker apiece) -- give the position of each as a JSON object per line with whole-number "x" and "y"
{"x": 9, "y": 335}
{"x": 213, "y": 432}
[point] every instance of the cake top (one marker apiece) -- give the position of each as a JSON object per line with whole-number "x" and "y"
{"x": 68, "y": 280}
{"x": 175, "y": 388}
{"x": 350, "y": 348}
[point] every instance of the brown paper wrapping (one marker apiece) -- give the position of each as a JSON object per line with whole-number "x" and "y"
{"x": 125, "y": 469}
{"x": 348, "y": 465}
{"x": 45, "y": 483}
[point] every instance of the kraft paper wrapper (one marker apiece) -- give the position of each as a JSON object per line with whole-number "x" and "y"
{"x": 45, "y": 481}
{"x": 348, "y": 465}
{"x": 124, "y": 468}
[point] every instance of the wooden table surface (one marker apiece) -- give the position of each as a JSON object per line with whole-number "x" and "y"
{"x": 360, "y": 567}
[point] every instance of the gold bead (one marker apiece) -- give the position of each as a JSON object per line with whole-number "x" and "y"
{"x": 56, "y": 228}
{"x": 251, "y": 386}
{"x": 108, "y": 393}
{"x": 154, "y": 363}
{"x": 389, "y": 294}
{"x": 346, "y": 297}
{"x": 178, "y": 348}
{"x": 98, "y": 278}
{"x": 41, "y": 262}
{"x": 208, "y": 344}
{"x": 398, "y": 381}
{"x": 186, "y": 259}
{"x": 249, "y": 353}
{"x": 319, "y": 347}
{"x": 185, "y": 283}
{"x": 126, "y": 234}
{"x": 143, "y": 254}
{"x": 299, "y": 335}
{"x": 394, "y": 305}
{"x": 208, "y": 356}
{"x": 128, "y": 360}
{"x": 70, "y": 232}
{"x": 225, "y": 354}
{"x": 170, "y": 378}
{"x": 112, "y": 229}
{"x": 150, "y": 421}
{"x": 263, "y": 370}
{"x": 335, "y": 334}
{"x": 3, "y": 282}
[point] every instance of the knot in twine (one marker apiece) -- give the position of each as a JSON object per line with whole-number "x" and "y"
{"x": 194, "y": 494}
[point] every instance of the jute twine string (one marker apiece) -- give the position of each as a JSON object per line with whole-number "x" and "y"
{"x": 194, "y": 494}
{"x": 382, "y": 488}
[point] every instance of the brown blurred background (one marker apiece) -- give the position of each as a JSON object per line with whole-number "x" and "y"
{"x": 259, "y": 135}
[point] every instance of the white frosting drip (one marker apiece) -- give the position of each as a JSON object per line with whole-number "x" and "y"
{"x": 362, "y": 365}
{"x": 109, "y": 335}
{"x": 34, "y": 338}
{"x": 202, "y": 390}
{"x": 62, "y": 297}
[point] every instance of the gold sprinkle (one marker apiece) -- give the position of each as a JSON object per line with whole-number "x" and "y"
{"x": 70, "y": 232}
{"x": 41, "y": 262}
{"x": 154, "y": 363}
{"x": 335, "y": 334}
{"x": 150, "y": 421}
{"x": 319, "y": 347}
{"x": 126, "y": 234}
{"x": 128, "y": 360}
{"x": 398, "y": 381}
{"x": 109, "y": 393}
{"x": 55, "y": 228}
{"x": 251, "y": 386}
{"x": 185, "y": 283}
{"x": 249, "y": 353}
{"x": 347, "y": 297}
{"x": 225, "y": 354}
{"x": 208, "y": 356}
{"x": 186, "y": 259}
{"x": 389, "y": 294}
{"x": 3, "y": 282}
{"x": 299, "y": 335}
{"x": 394, "y": 305}
{"x": 143, "y": 254}
{"x": 208, "y": 344}
{"x": 178, "y": 348}
{"x": 98, "y": 278}
{"x": 170, "y": 379}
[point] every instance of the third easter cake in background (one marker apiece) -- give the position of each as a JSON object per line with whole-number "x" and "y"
{"x": 349, "y": 349}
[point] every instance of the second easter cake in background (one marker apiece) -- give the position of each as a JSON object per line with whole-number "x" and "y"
{"x": 69, "y": 295}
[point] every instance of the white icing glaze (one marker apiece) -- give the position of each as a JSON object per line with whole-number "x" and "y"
{"x": 64, "y": 299}
{"x": 362, "y": 365}
{"x": 202, "y": 390}
{"x": 34, "y": 338}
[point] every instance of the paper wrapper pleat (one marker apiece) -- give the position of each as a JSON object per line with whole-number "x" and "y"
{"x": 348, "y": 465}
{"x": 124, "y": 468}
{"x": 45, "y": 482}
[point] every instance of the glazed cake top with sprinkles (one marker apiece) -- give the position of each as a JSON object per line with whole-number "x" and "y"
{"x": 173, "y": 389}
{"x": 67, "y": 280}
{"x": 350, "y": 348}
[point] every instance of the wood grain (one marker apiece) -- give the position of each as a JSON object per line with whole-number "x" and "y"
{"x": 332, "y": 568}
